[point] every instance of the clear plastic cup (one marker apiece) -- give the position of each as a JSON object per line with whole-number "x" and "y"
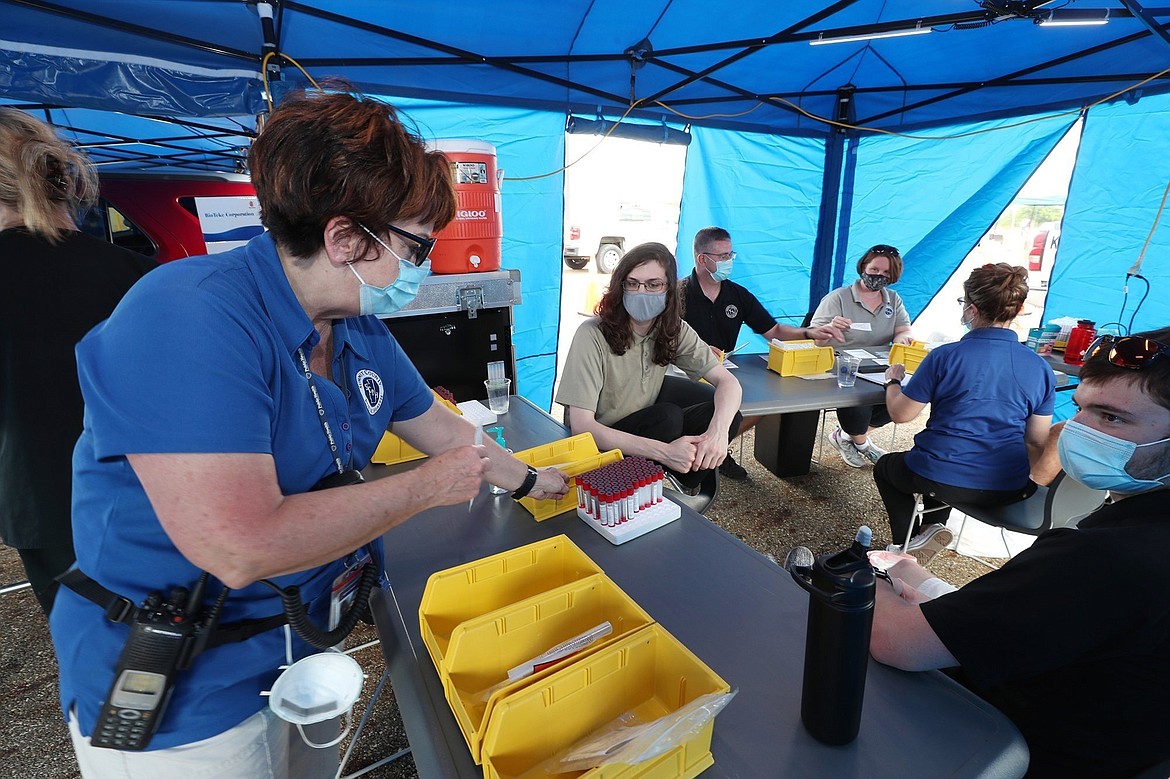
{"x": 847, "y": 366}
{"x": 498, "y": 393}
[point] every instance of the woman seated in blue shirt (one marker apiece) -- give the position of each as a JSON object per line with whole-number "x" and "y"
{"x": 991, "y": 406}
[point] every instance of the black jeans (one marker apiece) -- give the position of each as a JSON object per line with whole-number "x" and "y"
{"x": 897, "y": 485}
{"x": 857, "y": 420}
{"x": 683, "y": 407}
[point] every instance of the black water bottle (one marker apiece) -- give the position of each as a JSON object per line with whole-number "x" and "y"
{"x": 836, "y": 649}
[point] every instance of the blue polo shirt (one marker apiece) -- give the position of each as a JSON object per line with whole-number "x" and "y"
{"x": 201, "y": 357}
{"x": 981, "y": 391}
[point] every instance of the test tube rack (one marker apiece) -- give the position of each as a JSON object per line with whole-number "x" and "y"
{"x": 623, "y": 500}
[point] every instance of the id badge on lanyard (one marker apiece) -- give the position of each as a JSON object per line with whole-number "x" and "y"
{"x": 345, "y": 586}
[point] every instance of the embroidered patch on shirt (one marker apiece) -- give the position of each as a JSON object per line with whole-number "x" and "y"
{"x": 370, "y": 385}
{"x": 888, "y": 311}
{"x": 731, "y": 311}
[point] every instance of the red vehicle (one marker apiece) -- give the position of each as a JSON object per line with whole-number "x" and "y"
{"x": 174, "y": 215}
{"x": 1043, "y": 246}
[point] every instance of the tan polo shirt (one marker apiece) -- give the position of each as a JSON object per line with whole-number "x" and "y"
{"x": 889, "y": 316}
{"x": 612, "y": 386}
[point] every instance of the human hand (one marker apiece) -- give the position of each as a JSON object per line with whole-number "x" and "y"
{"x": 904, "y": 338}
{"x": 680, "y": 453}
{"x": 896, "y": 372}
{"x": 829, "y": 332}
{"x": 717, "y": 352}
{"x": 550, "y": 483}
{"x": 899, "y": 565}
{"x": 841, "y": 323}
{"x": 710, "y": 450}
{"x": 456, "y": 473}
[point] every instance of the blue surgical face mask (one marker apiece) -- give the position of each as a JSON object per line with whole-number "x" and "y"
{"x": 966, "y": 323}
{"x": 722, "y": 269}
{"x": 644, "y": 306}
{"x": 384, "y": 301}
{"x": 1097, "y": 460}
{"x": 874, "y": 281}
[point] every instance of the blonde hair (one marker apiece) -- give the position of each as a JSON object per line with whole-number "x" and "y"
{"x": 41, "y": 174}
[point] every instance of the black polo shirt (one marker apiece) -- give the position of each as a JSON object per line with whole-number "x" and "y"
{"x": 717, "y": 322}
{"x": 1071, "y": 640}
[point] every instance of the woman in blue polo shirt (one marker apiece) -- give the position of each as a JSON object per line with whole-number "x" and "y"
{"x": 990, "y": 409}
{"x": 226, "y": 399}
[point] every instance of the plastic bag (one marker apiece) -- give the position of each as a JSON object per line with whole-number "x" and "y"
{"x": 629, "y": 741}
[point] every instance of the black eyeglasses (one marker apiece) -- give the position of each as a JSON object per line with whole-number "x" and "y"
{"x": 1131, "y": 351}
{"x": 962, "y": 302}
{"x": 423, "y": 246}
{"x": 653, "y": 285}
{"x": 884, "y": 248}
{"x": 722, "y": 257}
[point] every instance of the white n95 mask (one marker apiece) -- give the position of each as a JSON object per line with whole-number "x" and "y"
{"x": 315, "y": 689}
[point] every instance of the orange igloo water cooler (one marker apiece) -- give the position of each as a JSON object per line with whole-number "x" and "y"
{"x": 471, "y": 243}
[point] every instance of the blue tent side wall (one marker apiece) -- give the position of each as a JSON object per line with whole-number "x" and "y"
{"x": 1121, "y": 175}
{"x": 528, "y": 143}
{"x": 934, "y": 197}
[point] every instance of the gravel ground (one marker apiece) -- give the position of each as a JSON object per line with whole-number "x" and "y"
{"x": 821, "y": 510}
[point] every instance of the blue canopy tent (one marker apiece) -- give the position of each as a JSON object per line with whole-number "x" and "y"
{"x": 817, "y": 128}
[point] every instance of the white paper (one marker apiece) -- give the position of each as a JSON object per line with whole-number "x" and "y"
{"x": 860, "y": 353}
{"x": 729, "y": 365}
{"x": 865, "y": 326}
{"x": 880, "y": 378}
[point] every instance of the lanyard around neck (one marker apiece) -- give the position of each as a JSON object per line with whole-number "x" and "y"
{"x": 321, "y": 412}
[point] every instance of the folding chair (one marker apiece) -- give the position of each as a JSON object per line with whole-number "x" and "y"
{"x": 1062, "y": 503}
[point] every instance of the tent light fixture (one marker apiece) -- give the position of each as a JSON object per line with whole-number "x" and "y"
{"x": 1074, "y": 17}
{"x": 823, "y": 39}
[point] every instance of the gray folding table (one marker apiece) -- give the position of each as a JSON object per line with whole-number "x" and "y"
{"x": 735, "y": 609}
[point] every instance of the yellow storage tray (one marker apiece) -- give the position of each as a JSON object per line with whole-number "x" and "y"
{"x": 393, "y": 450}
{"x": 911, "y": 355}
{"x": 483, "y": 649}
{"x": 648, "y": 672}
{"x": 467, "y": 591}
{"x": 574, "y": 456}
{"x": 804, "y": 360}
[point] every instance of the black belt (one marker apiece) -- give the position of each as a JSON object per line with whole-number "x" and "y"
{"x": 121, "y": 609}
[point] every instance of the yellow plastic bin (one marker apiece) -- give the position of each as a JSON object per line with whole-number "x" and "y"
{"x": 648, "y": 672}
{"x": 470, "y": 590}
{"x": 482, "y": 650}
{"x": 911, "y": 355}
{"x": 799, "y": 358}
{"x": 393, "y": 450}
{"x": 574, "y": 456}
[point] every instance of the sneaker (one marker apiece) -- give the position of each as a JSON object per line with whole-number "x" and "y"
{"x": 847, "y": 448}
{"x": 926, "y": 545}
{"x": 873, "y": 452}
{"x": 799, "y": 557}
{"x": 732, "y": 470}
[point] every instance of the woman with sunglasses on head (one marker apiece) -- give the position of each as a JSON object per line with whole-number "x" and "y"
{"x": 991, "y": 403}
{"x": 612, "y": 385}
{"x": 231, "y": 402}
{"x": 882, "y": 320}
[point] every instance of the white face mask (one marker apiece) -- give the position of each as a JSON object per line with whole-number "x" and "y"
{"x": 315, "y": 689}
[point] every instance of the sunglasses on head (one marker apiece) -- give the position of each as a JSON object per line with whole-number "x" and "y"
{"x": 1131, "y": 351}
{"x": 884, "y": 248}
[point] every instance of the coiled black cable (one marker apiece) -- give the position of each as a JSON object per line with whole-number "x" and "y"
{"x": 298, "y": 617}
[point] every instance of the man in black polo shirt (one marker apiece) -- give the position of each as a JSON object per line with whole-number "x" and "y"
{"x": 1071, "y": 637}
{"x": 716, "y": 307}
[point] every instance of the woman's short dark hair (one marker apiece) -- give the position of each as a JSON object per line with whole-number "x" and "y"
{"x": 998, "y": 290}
{"x": 1154, "y": 379}
{"x": 327, "y": 154}
{"x": 615, "y": 320}
{"x": 883, "y": 250}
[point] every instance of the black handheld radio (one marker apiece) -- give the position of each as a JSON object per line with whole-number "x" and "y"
{"x": 165, "y": 636}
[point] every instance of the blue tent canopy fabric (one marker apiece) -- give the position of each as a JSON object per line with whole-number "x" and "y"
{"x": 810, "y": 126}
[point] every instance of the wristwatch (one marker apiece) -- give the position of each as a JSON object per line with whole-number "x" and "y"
{"x": 893, "y": 381}
{"x": 526, "y": 487}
